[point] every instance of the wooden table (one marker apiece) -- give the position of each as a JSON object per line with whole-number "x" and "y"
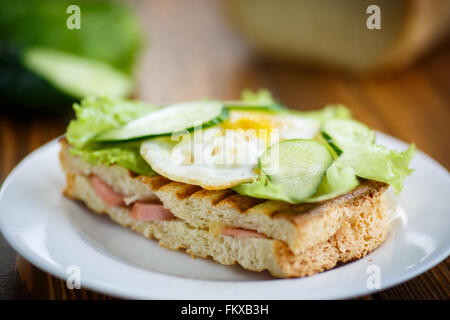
{"x": 192, "y": 54}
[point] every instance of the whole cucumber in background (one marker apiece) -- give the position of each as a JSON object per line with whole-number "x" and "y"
{"x": 21, "y": 89}
{"x": 44, "y": 66}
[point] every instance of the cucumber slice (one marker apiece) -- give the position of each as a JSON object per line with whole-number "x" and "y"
{"x": 292, "y": 171}
{"x": 170, "y": 119}
{"x": 300, "y": 168}
{"x": 344, "y": 134}
{"x": 250, "y": 105}
{"x": 76, "y": 76}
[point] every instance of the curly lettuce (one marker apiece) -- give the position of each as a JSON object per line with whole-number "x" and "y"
{"x": 330, "y": 112}
{"x": 96, "y": 115}
{"x": 359, "y": 159}
{"x": 376, "y": 162}
{"x": 264, "y": 97}
{"x": 365, "y": 159}
{"x": 261, "y": 96}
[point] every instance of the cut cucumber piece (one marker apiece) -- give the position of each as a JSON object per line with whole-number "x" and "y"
{"x": 171, "y": 119}
{"x": 291, "y": 171}
{"x": 76, "y": 76}
{"x": 250, "y": 105}
{"x": 344, "y": 134}
{"x": 297, "y": 165}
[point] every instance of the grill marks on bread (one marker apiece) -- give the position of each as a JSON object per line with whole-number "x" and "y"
{"x": 240, "y": 202}
{"x": 214, "y": 197}
{"x": 181, "y": 190}
{"x": 300, "y": 226}
{"x": 155, "y": 182}
{"x": 217, "y": 198}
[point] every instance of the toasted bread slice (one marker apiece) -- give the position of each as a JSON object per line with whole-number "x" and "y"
{"x": 299, "y": 226}
{"x": 355, "y": 237}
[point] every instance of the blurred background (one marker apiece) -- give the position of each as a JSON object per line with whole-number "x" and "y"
{"x": 389, "y": 63}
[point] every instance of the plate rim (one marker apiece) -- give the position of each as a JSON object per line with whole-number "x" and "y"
{"x": 108, "y": 289}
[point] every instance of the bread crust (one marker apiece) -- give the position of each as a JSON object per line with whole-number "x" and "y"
{"x": 300, "y": 226}
{"x": 354, "y": 239}
{"x": 305, "y": 239}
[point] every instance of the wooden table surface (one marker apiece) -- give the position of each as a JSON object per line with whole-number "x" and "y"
{"x": 192, "y": 54}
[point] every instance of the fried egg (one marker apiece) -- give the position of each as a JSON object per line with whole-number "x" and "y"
{"x": 226, "y": 154}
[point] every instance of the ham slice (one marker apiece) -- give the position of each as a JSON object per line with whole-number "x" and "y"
{"x": 240, "y": 232}
{"x": 146, "y": 211}
{"x": 106, "y": 193}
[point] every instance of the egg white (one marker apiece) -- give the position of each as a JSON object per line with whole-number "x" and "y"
{"x": 219, "y": 157}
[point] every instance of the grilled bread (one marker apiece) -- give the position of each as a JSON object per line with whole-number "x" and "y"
{"x": 297, "y": 240}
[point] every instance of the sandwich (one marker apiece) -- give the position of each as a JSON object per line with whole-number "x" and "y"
{"x": 247, "y": 181}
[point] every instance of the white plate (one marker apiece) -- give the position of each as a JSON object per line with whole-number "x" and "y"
{"x": 53, "y": 233}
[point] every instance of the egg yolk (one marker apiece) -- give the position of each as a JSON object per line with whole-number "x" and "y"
{"x": 249, "y": 120}
{"x": 262, "y": 122}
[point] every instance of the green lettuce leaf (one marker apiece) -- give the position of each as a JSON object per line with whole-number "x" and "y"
{"x": 363, "y": 159}
{"x": 260, "y": 100}
{"x": 376, "y": 162}
{"x": 330, "y": 112}
{"x": 96, "y": 115}
{"x": 336, "y": 181}
{"x": 125, "y": 154}
{"x": 261, "y": 96}
{"x": 366, "y": 160}
{"x": 262, "y": 188}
